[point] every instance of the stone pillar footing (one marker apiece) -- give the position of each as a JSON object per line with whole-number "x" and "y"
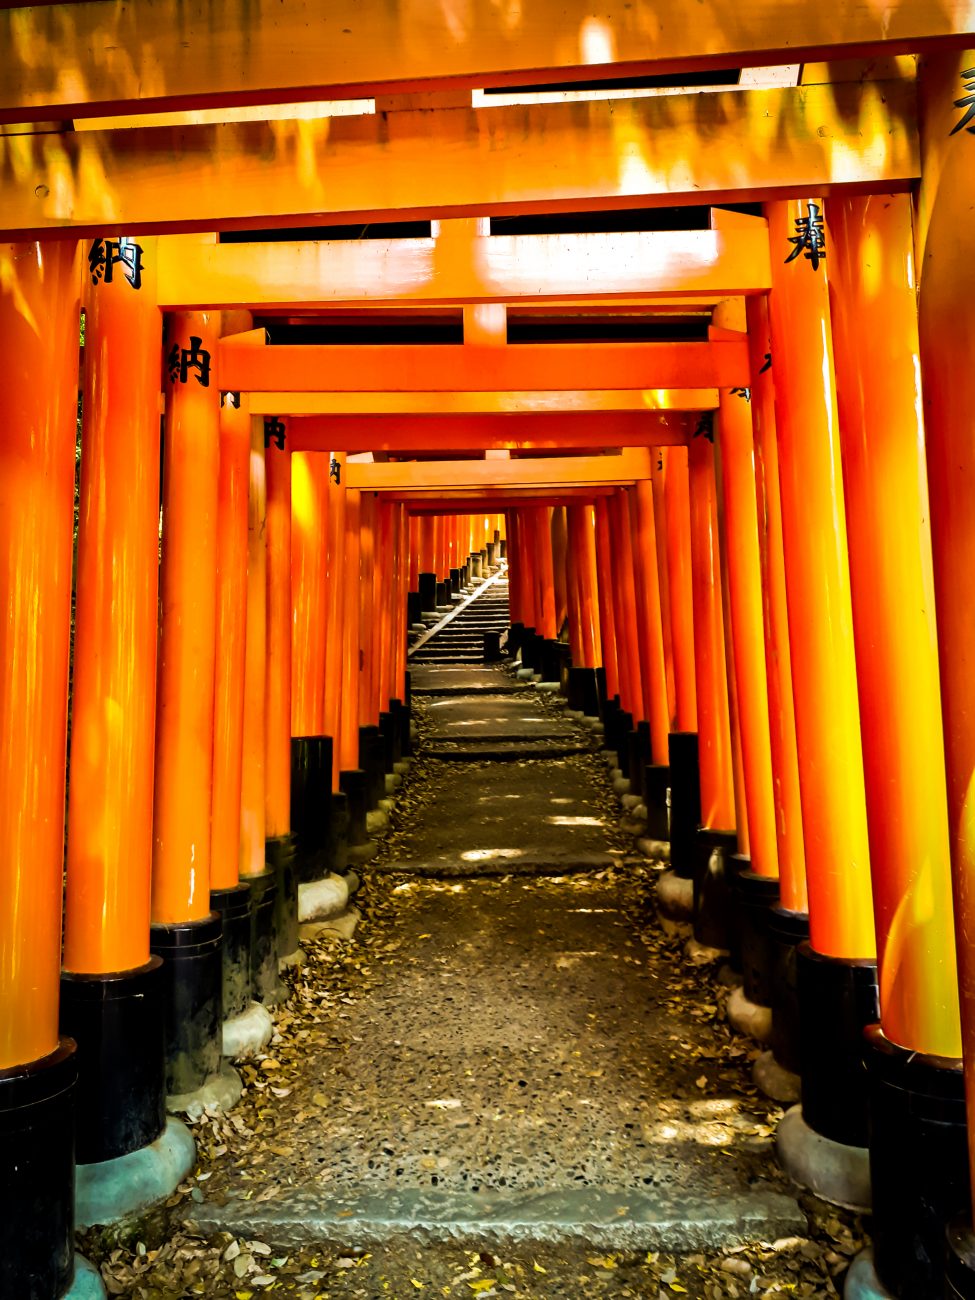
{"x": 87, "y": 1284}
{"x": 836, "y": 1172}
{"x": 748, "y": 1017}
{"x": 115, "y": 1189}
{"x": 774, "y": 1080}
{"x": 862, "y": 1282}
{"x": 247, "y": 1034}
{"x": 219, "y": 1094}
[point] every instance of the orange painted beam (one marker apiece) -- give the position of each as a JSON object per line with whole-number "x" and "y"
{"x": 462, "y": 161}
{"x": 414, "y": 367}
{"x": 406, "y": 405}
{"x": 548, "y": 471}
{"x": 70, "y": 60}
{"x": 481, "y": 269}
{"x": 546, "y": 430}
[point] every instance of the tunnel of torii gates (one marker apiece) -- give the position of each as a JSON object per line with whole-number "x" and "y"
{"x": 714, "y": 482}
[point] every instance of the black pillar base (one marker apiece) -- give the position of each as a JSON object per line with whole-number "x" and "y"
{"x": 234, "y": 906}
{"x": 279, "y": 853}
{"x": 443, "y": 594}
{"x": 454, "y": 581}
{"x": 531, "y": 649}
{"x": 601, "y": 695}
{"x": 639, "y": 754}
{"x": 611, "y": 712}
{"x": 264, "y": 945}
{"x": 337, "y": 838}
{"x": 393, "y": 737}
{"x": 492, "y": 647}
{"x": 837, "y": 1000}
{"x": 918, "y": 1162}
{"x": 712, "y": 887}
{"x": 624, "y": 725}
{"x": 474, "y": 561}
{"x": 755, "y": 895}
{"x": 428, "y": 592}
{"x": 116, "y": 1020}
{"x": 192, "y": 1000}
{"x": 413, "y": 608}
{"x": 37, "y": 1135}
{"x": 311, "y": 782}
{"x": 465, "y": 575}
{"x": 504, "y": 548}
{"x": 552, "y": 655}
{"x": 685, "y": 800}
{"x": 353, "y": 785}
{"x": 656, "y": 783}
{"x": 489, "y": 553}
{"x": 960, "y": 1261}
{"x": 516, "y": 633}
{"x": 583, "y": 695}
{"x": 786, "y": 931}
{"x": 372, "y": 762}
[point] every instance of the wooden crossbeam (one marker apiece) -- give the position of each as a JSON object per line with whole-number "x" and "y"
{"x": 559, "y": 402}
{"x": 546, "y": 472}
{"x": 476, "y": 368}
{"x": 507, "y": 269}
{"x": 406, "y": 433}
{"x": 464, "y": 162}
{"x": 98, "y": 56}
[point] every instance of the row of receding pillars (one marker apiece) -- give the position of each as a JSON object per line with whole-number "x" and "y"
{"x": 228, "y": 625}
{"x": 758, "y": 626}
{"x": 446, "y": 553}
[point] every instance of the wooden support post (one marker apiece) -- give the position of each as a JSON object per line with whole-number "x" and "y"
{"x": 309, "y": 594}
{"x": 790, "y": 852}
{"x": 558, "y": 543}
{"x": 39, "y": 319}
{"x": 678, "y": 556}
{"x": 351, "y": 661}
{"x": 947, "y": 351}
{"x": 606, "y": 578}
{"x": 252, "y": 797}
{"x": 735, "y": 469}
{"x": 624, "y": 606}
{"x": 649, "y": 622}
{"x": 714, "y": 732}
{"x": 545, "y": 574}
{"x": 658, "y": 480}
{"x": 336, "y": 581}
{"x": 818, "y": 587}
{"x": 184, "y": 724}
{"x": 114, "y": 687}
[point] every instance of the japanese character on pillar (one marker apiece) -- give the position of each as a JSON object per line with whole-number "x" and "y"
{"x": 105, "y": 254}
{"x": 967, "y": 102}
{"x": 705, "y": 426}
{"x": 274, "y": 432}
{"x": 810, "y": 237}
{"x": 335, "y": 470}
{"x": 181, "y": 361}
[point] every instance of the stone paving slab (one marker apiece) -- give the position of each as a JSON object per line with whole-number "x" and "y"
{"x": 519, "y": 1072}
{"x": 430, "y": 680}
{"x": 475, "y": 819}
{"x": 522, "y": 718}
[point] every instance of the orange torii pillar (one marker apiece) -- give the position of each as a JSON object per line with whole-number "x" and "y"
{"x": 370, "y": 641}
{"x": 753, "y": 878}
{"x": 785, "y": 923}
{"x": 913, "y": 1056}
{"x": 656, "y": 776}
{"x": 607, "y": 614}
{"x": 545, "y": 655}
{"x": 229, "y": 895}
{"x": 581, "y": 582}
{"x": 39, "y": 322}
{"x": 836, "y": 972}
{"x": 717, "y": 836}
{"x": 559, "y": 542}
{"x": 400, "y": 705}
{"x": 622, "y": 722}
{"x": 523, "y": 629}
{"x": 352, "y": 778}
{"x": 515, "y": 613}
{"x": 111, "y": 988}
{"x": 947, "y": 350}
{"x": 336, "y": 584}
{"x": 682, "y": 748}
{"x": 186, "y": 932}
{"x": 311, "y": 744}
{"x": 386, "y": 575}
{"x": 650, "y": 744}
{"x": 413, "y": 590}
{"x": 427, "y": 576}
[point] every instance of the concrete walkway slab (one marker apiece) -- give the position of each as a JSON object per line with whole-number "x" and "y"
{"x": 519, "y": 1073}
{"x": 447, "y": 680}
